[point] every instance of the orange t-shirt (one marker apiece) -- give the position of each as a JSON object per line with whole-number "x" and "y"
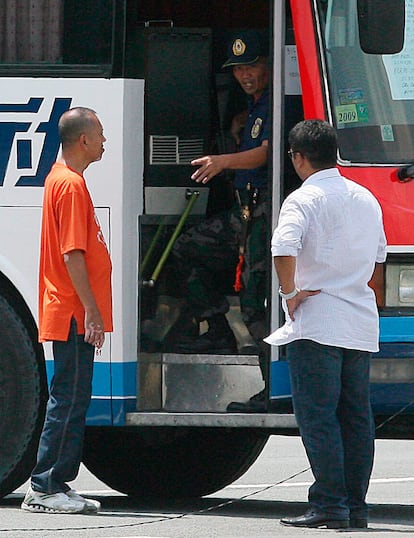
{"x": 69, "y": 223}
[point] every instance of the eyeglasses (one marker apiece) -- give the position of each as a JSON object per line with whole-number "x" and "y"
{"x": 291, "y": 153}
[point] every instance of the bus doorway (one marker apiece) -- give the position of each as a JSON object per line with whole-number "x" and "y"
{"x": 189, "y": 107}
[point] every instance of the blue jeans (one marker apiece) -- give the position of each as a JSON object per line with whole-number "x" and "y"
{"x": 61, "y": 443}
{"x": 330, "y": 388}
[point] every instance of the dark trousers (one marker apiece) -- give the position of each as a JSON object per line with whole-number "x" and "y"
{"x": 206, "y": 258}
{"x": 61, "y": 442}
{"x": 330, "y": 388}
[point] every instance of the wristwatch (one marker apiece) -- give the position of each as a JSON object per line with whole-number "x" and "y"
{"x": 288, "y": 296}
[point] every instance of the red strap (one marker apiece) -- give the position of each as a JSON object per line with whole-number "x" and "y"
{"x": 238, "y": 285}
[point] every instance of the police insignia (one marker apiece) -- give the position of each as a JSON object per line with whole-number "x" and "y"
{"x": 256, "y": 127}
{"x": 239, "y": 47}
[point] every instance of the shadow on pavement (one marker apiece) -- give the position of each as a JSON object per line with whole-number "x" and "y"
{"x": 123, "y": 506}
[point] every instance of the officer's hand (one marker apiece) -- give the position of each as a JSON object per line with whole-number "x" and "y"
{"x": 292, "y": 304}
{"x": 210, "y": 166}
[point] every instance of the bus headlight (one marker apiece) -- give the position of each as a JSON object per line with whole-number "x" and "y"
{"x": 399, "y": 285}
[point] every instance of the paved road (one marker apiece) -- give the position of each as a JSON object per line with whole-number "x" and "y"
{"x": 249, "y": 508}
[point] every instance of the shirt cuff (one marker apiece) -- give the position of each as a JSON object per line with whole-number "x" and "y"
{"x": 284, "y": 251}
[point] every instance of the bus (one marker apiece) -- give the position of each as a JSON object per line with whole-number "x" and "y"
{"x": 158, "y": 423}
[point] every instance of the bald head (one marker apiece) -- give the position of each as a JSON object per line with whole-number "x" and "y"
{"x": 75, "y": 122}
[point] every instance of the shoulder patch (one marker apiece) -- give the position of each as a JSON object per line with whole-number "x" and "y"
{"x": 256, "y": 128}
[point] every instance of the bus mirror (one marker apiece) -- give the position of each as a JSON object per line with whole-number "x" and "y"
{"x": 406, "y": 173}
{"x": 381, "y": 26}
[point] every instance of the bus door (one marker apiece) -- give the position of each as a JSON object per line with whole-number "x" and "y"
{"x": 185, "y": 107}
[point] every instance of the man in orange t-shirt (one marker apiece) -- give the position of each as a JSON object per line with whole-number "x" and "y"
{"x": 75, "y": 311}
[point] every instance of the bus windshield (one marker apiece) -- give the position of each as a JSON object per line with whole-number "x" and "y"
{"x": 371, "y": 95}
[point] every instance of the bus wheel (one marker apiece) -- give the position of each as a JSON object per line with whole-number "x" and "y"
{"x": 170, "y": 462}
{"x": 22, "y": 400}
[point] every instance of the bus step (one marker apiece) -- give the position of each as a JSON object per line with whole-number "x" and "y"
{"x": 184, "y": 383}
{"x": 268, "y": 421}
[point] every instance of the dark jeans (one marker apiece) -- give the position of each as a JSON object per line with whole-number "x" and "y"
{"x": 330, "y": 388}
{"x": 61, "y": 443}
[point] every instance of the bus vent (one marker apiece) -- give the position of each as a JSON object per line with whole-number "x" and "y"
{"x": 173, "y": 150}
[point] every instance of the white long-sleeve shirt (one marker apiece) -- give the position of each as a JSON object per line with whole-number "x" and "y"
{"x": 334, "y": 228}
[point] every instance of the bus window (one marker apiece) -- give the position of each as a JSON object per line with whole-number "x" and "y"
{"x": 31, "y": 32}
{"x": 371, "y": 94}
{"x": 56, "y": 32}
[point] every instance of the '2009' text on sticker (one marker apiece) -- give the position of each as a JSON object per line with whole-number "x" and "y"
{"x": 352, "y": 113}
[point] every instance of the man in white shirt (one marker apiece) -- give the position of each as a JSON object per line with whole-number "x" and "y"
{"x": 327, "y": 246}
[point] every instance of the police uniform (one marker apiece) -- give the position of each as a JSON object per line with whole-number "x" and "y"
{"x": 208, "y": 254}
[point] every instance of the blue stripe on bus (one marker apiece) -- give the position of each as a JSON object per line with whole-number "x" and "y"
{"x": 395, "y": 350}
{"x": 388, "y": 398}
{"x": 279, "y": 379}
{"x": 107, "y": 412}
{"x": 109, "y": 407}
{"x": 122, "y": 376}
{"x": 397, "y": 329}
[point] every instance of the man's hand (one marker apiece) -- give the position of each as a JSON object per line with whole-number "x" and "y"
{"x": 94, "y": 333}
{"x": 210, "y": 166}
{"x": 292, "y": 304}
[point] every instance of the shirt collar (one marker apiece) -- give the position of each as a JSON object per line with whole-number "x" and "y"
{"x": 322, "y": 174}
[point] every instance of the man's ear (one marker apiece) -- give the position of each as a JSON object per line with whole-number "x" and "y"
{"x": 83, "y": 140}
{"x": 301, "y": 165}
{"x": 298, "y": 159}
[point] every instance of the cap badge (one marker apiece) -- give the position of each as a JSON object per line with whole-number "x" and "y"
{"x": 239, "y": 47}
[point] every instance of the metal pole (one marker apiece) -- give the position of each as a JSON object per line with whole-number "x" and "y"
{"x": 156, "y": 273}
{"x": 152, "y": 245}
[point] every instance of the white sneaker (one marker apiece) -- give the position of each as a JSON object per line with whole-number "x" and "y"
{"x": 91, "y": 505}
{"x": 54, "y": 503}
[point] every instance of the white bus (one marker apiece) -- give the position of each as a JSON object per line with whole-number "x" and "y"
{"x": 158, "y": 424}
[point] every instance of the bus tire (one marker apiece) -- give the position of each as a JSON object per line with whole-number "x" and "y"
{"x": 23, "y": 392}
{"x": 167, "y": 462}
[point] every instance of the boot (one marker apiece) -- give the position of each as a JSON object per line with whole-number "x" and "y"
{"x": 256, "y": 404}
{"x": 218, "y": 340}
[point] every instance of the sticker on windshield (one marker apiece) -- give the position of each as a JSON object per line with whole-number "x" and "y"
{"x": 387, "y": 133}
{"x": 349, "y": 96}
{"x": 353, "y": 113}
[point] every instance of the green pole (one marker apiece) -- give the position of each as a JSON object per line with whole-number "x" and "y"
{"x": 152, "y": 246}
{"x": 156, "y": 273}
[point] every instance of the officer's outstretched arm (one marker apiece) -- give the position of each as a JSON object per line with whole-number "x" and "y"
{"x": 211, "y": 165}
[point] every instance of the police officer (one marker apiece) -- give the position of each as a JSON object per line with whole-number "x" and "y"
{"x": 233, "y": 241}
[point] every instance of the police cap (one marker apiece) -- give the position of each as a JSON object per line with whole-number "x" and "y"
{"x": 245, "y": 48}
